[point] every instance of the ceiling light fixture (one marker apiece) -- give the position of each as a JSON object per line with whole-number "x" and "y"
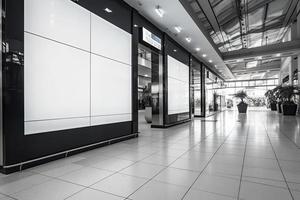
{"x": 188, "y": 39}
{"x": 278, "y": 55}
{"x": 159, "y": 11}
{"x": 135, "y": 25}
{"x": 197, "y": 49}
{"x": 178, "y": 29}
{"x": 204, "y": 55}
{"x": 175, "y": 50}
{"x": 210, "y": 61}
{"x": 108, "y": 10}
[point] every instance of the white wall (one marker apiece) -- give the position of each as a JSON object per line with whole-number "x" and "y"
{"x": 178, "y": 86}
{"x": 77, "y": 68}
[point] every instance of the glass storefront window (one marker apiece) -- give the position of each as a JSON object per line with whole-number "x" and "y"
{"x": 196, "y": 87}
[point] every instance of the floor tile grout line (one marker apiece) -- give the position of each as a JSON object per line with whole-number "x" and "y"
{"x": 30, "y": 187}
{"x": 5, "y": 195}
{"x": 287, "y": 185}
{"x": 260, "y": 183}
{"x": 165, "y": 167}
{"x": 51, "y": 178}
{"x": 114, "y": 173}
{"x": 207, "y": 163}
{"x": 119, "y": 171}
{"x": 203, "y": 139}
{"x": 243, "y": 165}
{"x": 134, "y": 162}
{"x": 294, "y": 143}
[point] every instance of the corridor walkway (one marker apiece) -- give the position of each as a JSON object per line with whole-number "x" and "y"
{"x": 224, "y": 157}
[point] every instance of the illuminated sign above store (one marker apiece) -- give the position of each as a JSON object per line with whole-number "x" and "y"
{"x": 151, "y": 39}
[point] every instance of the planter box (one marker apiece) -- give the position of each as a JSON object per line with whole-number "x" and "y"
{"x": 289, "y": 109}
{"x": 242, "y": 107}
{"x": 273, "y": 106}
{"x": 148, "y": 114}
{"x": 279, "y": 107}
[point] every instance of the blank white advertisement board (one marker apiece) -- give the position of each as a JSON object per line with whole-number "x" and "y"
{"x": 68, "y": 82}
{"x": 178, "y": 86}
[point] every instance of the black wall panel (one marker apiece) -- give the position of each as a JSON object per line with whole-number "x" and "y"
{"x": 18, "y": 147}
{"x": 175, "y": 50}
{"x": 120, "y": 15}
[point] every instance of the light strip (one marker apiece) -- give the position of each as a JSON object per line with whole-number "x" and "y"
{"x": 108, "y": 10}
{"x": 188, "y": 39}
{"x": 178, "y": 29}
{"x": 159, "y": 11}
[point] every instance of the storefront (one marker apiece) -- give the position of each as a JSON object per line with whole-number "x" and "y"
{"x": 71, "y": 79}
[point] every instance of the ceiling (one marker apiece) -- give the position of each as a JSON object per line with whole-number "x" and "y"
{"x": 176, "y": 15}
{"x": 243, "y": 24}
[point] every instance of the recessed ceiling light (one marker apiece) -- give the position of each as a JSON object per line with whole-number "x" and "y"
{"x": 210, "y": 61}
{"x": 146, "y": 75}
{"x": 197, "y": 49}
{"x": 216, "y": 65}
{"x": 188, "y": 39}
{"x": 204, "y": 55}
{"x": 159, "y": 11}
{"x": 135, "y": 25}
{"x": 108, "y": 10}
{"x": 178, "y": 29}
{"x": 175, "y": 50}
{"x": 278, "y": 55}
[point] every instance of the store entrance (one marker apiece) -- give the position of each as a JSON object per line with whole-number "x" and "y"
{"x": 149, "y": 65}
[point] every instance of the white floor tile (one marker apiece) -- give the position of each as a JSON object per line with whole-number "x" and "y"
{"x": 90, "y": 194}
{"x": 86, "y": 176}
{"x": 159, "y": 160}
{"x": 20, "y": 181}
{"x": 113, "y": 164}
{"x": 198, "y": 195}
{"x": 177, "y": 176}
{"x": 272, "y": 174}
{"x": 50, "y": 190}
{"x": 55, "y": 170}
{"x": 159, "y": 191}
{"x": 224, "y": 169}
{"x": 120, "y": 184}
{"x": 142, "y": 170}
{"x": 250, "y": 191}
{"x": 217, "y": 184}
{"x": 189, "y": 164}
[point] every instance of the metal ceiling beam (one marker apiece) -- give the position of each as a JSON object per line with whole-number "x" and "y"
{"x": 282, "y": 48}
{"x": 211, "y": 17}
{"x": 288, "y": 18}
{"x": 264, "y": 25}
{"x": 195, "y": 18}
{"x": 242, "y": 20}
{"x": 264, "y": 67}
{"x": 259, "y": 5}
{"x": 267, "y": 28}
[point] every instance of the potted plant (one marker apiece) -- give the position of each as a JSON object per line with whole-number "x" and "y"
{"x": 276, "y": 92}
{"x": 242, "y": 106}
{"x": 147, "y": 100}
{"x": 287, "y": 94}
{"x": 271, "y": 99}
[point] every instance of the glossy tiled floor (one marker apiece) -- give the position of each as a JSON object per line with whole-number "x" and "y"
{"x": 250, "y": 157}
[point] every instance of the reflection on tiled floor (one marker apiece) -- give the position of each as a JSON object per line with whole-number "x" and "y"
{"x": 247, "y": 157}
